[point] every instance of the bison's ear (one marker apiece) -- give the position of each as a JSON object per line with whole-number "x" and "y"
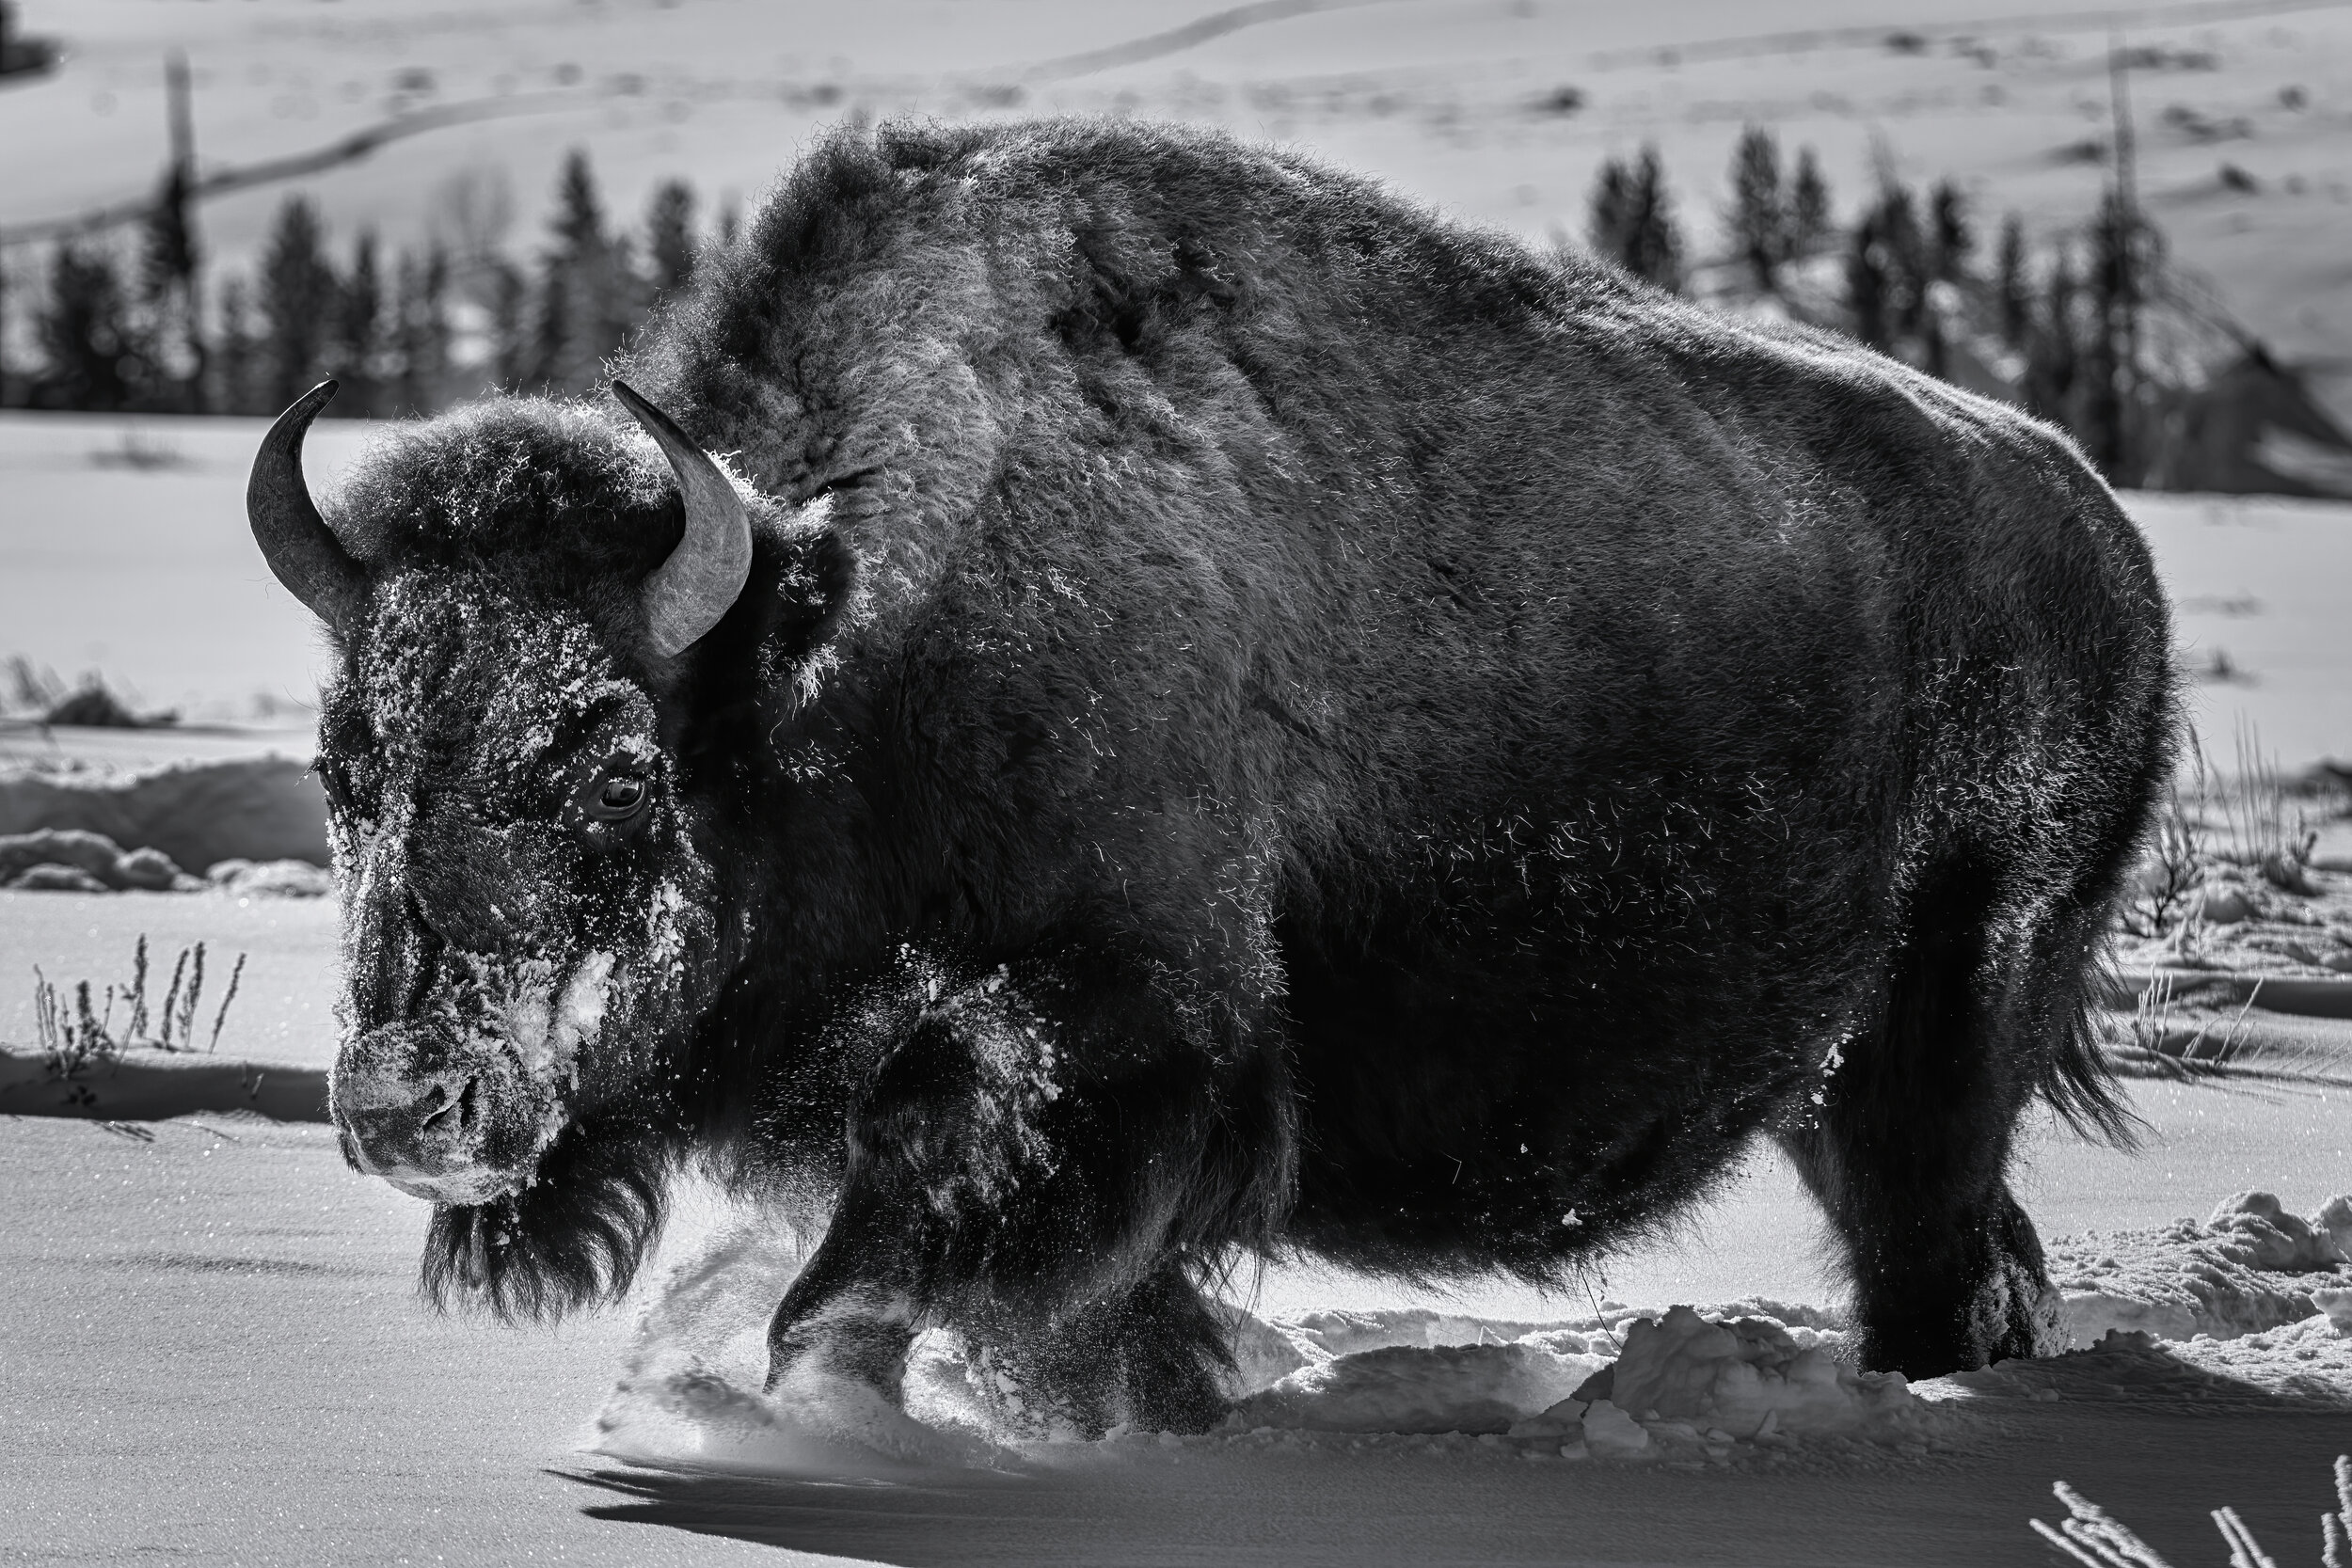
{"x": 815, "y": 579}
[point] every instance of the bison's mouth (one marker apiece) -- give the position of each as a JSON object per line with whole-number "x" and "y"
{"x": 457, "y": 1105}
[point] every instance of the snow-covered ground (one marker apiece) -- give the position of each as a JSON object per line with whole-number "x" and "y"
{"x": 212, "y": 1353}
{"x": 147, "y": 572}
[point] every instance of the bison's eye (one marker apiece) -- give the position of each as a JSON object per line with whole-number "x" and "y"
{"x": 616, "y": 798}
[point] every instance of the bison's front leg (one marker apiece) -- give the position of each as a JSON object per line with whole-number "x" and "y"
{"x": 1043, "y": 1161}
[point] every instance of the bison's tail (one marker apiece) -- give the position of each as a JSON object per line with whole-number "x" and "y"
{"x": 2074, "y": 1076}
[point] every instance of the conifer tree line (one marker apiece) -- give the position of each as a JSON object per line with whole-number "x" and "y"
{"x": 1905, "y": 276}
{"x": 141, "y": 328}
{"x": 413, "y": 330}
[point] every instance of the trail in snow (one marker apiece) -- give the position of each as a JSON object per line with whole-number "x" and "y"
{"x": 2255, "y": 1302}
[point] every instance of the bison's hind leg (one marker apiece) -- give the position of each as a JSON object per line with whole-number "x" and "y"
{"x": 1909, "y": 1151}
{"x": 1152, "y": 1356}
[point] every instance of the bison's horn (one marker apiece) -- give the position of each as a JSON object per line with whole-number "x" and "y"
{"x": 294, "y": 539}
{"x": 687, "y": 594}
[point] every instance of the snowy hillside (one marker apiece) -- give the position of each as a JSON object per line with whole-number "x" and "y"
{"x": 1496, "y": 111}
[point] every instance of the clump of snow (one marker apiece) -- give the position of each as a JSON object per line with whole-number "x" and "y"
{"x": 245, "y": 879}
{"x": 1470, "y": 1388}
{"x": 1606, "y": 1431}
{"x": 1739, "y": 1374}
{"x": 72, "y": 859}
{"x": 1749, "y": 1375}
{"x": 49, "y": 877}
{"x": 1264, "y": 1353}
{"x": 2262, "y": 1235}
{"x": 2251, "y": 1266}
{"x": 579, "y": 1016}
{"x": 1340, "y": 1332}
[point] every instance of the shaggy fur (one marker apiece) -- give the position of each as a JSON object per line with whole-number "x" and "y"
{"x": 1304, "y": 727}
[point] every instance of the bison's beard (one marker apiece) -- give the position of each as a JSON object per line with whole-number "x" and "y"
{"x": 572, "y": 1239}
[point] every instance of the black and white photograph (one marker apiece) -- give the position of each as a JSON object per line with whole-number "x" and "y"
{"x": 1064, "y": 783}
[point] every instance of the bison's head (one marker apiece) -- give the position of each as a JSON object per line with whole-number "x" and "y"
{"x": 528, "y": 884}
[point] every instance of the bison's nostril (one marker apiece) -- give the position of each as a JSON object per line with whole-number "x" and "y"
{"x": 439, "y": 1103}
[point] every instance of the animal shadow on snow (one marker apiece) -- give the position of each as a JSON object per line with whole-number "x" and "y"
{"x": 2116, "y": 1422}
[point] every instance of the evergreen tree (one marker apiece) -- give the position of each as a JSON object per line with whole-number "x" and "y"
{"x": 670, "y": 235}
{"x": 549, "y": 358}
{"x": 1950, "y": 239}
{"x": 298, "y": 289}
{"x": 420, "y": 330}
{"x": 508, "y": 298}
{"x": 358, "y": 351}
{"x": 2122, "y": 261}
{"x": 1886, "y": 274}
{"x": 2011, "y": 285}
{"x": 1631, "y": 220}
{"x": 1867, "y": 285}
{"x": 578, "y": 221}
{"x": 1759, "y": 220}
{"x": 169, "y": 279}
{"x": 2054, "y": 363}
{"x": 88, "y": 352}
{"x": 1810, "y": 221}
{"x": 589, "y": 296}
{"x": 235, "y": 361}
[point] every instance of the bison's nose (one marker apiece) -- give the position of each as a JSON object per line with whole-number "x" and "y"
{"x": 423, "y": 1133}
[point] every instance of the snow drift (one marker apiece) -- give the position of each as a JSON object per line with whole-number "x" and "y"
{"x": 2251, "y": 1266}
{"x": 200, "y": 814}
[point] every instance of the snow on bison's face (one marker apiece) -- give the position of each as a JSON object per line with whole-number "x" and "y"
{"x": 522, "y": 898}
{"x": 527, "y": 928}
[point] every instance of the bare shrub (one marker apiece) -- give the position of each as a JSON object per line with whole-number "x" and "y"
{"x": 2175, "y": 875}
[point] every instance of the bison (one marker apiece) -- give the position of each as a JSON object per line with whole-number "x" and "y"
{"x": 1121, "y": 702}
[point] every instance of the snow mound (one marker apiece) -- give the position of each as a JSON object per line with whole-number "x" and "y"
{"x": 2307, "y": 1363}
{"x": 197, "y": 814}
{"x": 73, "y": 861}
{"x": 243, "y": 879}
{"x": 1751, "y": 1375}
{"x": 1343, "y": 1332}
{"x": 2251, "y": 1266}
{"x": 1681, "y": 1378}
{"x": 1399, "y": 1388}
{"x": 2310, "y": 1359}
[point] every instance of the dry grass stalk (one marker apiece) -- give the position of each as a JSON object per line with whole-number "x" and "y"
{"x": 2094, "y": 1537}
{"x": 77, "y": 1036}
